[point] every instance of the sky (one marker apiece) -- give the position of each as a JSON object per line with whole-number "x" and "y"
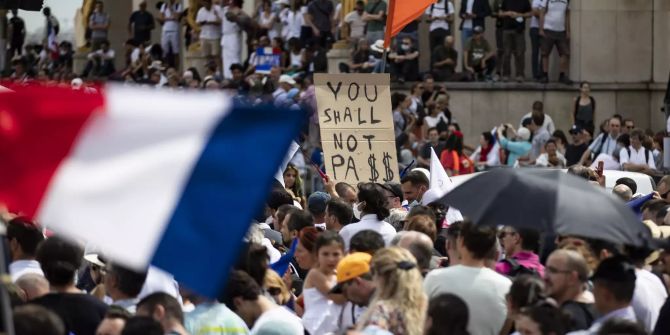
{"x": 64, "y": 11}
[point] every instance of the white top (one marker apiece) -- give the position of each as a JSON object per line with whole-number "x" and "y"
{"x": 321, "y": 314}
{"x": 265, "y": 19}
{"x": 356, "y": 23}
{"x": 468, "y": 9}
{"x": 543, "y": 160}
{"x": 160, "y": 281}
{"x": 492, "y": 159}
{"x": 482, "y": 289}
{"x": 20, "y": 268}
{"x": 278, "y": 321}
{"x": 228, "y": 27}
{"x": 649, "y": 297}
{"x": 636, "y": 157}
{"x": 104, "y": 55}
{"x": 368, "y": 222}
{"x": 291, "y": 23}
{"x": 554, "y": 18}
{"x": 608, "y": 146}
{"x": 168, "y": 10}
{"x": 432, "y": 121}
{"x": 209, "y": 31}
{"x": 440, "y": 9}
{"x": 534, "y": 21}
{"x": 548, "y": 124}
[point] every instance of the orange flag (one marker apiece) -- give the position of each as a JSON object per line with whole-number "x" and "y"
{"x": 401, "y": 13}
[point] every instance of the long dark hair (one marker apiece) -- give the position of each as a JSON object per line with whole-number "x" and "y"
{"x": 454, "y": 142}
{"x": 375, "y": 200}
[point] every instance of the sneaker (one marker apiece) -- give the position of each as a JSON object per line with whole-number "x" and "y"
{"x": 565, "y": 79}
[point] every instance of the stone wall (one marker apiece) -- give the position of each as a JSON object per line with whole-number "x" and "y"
{"x": 480, "y": 107}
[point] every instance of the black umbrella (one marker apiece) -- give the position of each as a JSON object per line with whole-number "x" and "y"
{"x": 550, "y": 201}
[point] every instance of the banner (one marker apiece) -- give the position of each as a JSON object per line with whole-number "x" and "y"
{"x": 356, "y": 122}
{"x": 266, "y": 58}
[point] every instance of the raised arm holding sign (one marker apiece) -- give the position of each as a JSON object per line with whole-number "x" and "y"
{"x": 357, "y": 127}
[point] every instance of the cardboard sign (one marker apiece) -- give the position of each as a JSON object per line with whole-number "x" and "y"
{"x": 356, "y": 122}
{"x": 266, "y": 59}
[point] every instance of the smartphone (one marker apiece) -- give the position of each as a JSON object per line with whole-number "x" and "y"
{"x": 601, "y": 167}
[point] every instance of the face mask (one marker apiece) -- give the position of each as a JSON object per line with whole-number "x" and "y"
{"x": 405, "y": 47}
{"x": 357, "y": 211}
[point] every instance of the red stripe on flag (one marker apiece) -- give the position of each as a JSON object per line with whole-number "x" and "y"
{"x": 38, "y": 129}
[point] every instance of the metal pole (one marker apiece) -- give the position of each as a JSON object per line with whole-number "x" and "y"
{"x": 5, "y": 280}
{"x": 384, "y": 61}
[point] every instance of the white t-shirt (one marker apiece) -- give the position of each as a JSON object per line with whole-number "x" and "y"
{"x": 468, "y": 9}
{"x": 554, "y": 18}
{"x": 280, "y": 321}
{"x": 356, "y": 23}
{"x": 228, "y": 27}
{"x": 534, "y": 21}
{"x": 649, "y": 297}
{"x": 160, "y": 281}
{"x": 368, "y": 222}
{"x": 636, "y": 157}
{"x": 432, "y": 121}
{"x": 167, "y": 10}
{"x": 291, "y": 23}
{"x": 20, "y": 268}
{"x": 548, "y": 124}
{"x": 482, "y": 289}
{"x": 209, "y": 31}
{"x": 439, "y": 9}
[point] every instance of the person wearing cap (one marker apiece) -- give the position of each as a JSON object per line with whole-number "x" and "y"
{"x": 316, "y": 205}
{"x": 480, "y": 61}
{"x": 23, "y": 237}
{"x": 286, "y": 83}
{"x": 613, "y": 288}
{"x": 354, "y": 281}
{"x": 575, "y": 150}
{"x": 338, "y": 214}
{"x": 521, "y": 147}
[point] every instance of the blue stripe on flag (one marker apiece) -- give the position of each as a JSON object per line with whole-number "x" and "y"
{"x": 229, "y": 184}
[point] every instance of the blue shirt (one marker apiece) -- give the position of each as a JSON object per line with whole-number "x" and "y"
{"x": 626, "y": 313}
{"x": 516, "y": 149}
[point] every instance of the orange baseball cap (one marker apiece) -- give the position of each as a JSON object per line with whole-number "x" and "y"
{"x": 352, "y": 266}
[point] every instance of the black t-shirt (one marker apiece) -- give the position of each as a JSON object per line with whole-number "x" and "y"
{"x": 519, "y": 6}
{"x": 411, "y": 27}
{"x": 441, "y": 54}
{"x": 573, "y": 153}
{"x": 361, "y": 57}
{"x": 143, "y": 22}
{"x": 581, "y": 315}
{"x": 81, "y": 313}
{"x": 18, "y": 27}
{"x": 663, "y": 323}
{"x": 425, "y": 150}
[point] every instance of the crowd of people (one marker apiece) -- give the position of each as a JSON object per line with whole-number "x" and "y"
{"x": 334, "y": 258}
{"x": 299, "y": 33}
{"x": 371, "y": 259}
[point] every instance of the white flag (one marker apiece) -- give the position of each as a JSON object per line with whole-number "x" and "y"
{"x": 292, "y": 149}
{"x": 440, "y": 185}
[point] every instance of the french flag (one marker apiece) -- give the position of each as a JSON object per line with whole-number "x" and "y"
{"x": 166, "y": 178}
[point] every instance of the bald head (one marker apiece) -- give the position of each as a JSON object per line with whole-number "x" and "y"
{"x": 420, "y": 245}
{"x": 623, "y": 192}
{"x": 574, "y": 261}
{"x": 34, "y": 285}
{"x": 449, "y": 41}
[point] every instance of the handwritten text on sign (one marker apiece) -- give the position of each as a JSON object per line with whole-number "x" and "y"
{"x": 357, "y": 127}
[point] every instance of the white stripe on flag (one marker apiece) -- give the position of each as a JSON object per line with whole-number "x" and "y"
{"x": 120, "y": 185}
{"x": 292, "y": 149}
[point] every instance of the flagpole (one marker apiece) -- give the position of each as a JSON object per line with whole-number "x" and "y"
{"x": 5, "y": 279}
{"x": 387, "y": 32}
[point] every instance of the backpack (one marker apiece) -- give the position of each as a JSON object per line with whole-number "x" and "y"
{"x": 646, "y": 154}
{"x": 518, "y": 269}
